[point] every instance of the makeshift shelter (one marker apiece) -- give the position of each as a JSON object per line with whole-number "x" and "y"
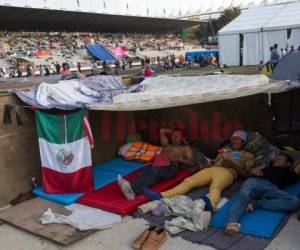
{"x": 256, "y": 30}
{"x": 208, "y": 107}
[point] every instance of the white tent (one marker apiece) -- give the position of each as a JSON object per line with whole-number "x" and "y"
{"x": 261, "y": 28}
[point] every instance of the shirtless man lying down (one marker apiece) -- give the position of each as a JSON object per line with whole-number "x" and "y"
{"x": 164, "y": 165}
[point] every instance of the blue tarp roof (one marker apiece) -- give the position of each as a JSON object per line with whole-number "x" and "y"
{"x": 100, "y": 52}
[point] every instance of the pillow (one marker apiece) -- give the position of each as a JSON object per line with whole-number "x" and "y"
{"x": 263, "y": 151}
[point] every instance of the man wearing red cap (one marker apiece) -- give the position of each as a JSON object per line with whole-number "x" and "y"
{"x": 231, "y": 162}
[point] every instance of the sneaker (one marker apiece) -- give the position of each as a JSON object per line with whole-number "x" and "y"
{"x": 138, "y": 242}
{"x": 126, "y": 188}
{"x": 155, "y": 240}
{"x": 221, "y": 203}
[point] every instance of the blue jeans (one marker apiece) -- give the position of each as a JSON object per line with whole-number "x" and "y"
{"x": 150, "y": 176}
{"x": 264, "y": 195}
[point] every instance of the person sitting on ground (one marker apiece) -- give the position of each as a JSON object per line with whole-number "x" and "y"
{"x": 164, "y": 165}
{"x": 231, "y": 162}
{"x": 213, "y": 60}
{"x": 263, "y": 191}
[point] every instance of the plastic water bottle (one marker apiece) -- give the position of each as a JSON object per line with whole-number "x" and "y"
{"x": 34, "y": 183}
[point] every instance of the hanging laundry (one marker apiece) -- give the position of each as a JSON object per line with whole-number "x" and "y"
{"x": 21, "y": 115}
{"x": 7, "y": 113}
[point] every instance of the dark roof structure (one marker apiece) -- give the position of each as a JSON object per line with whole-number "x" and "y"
{"x": 33, "y": 19}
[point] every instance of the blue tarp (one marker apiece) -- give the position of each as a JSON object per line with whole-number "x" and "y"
{"x": 103, "y": 173}
{"x": 197, "y": 56}
{"x": 100, "y": 52}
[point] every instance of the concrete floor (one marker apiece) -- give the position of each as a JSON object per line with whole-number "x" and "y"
{"x": 121, "y": 235}
{"x": 288, "y": 238}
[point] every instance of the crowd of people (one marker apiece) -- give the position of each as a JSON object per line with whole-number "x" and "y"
{"x": 39, "y": 53}
{"x": 276, "y": 55}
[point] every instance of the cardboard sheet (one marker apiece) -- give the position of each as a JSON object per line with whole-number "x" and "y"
{"x": 26, "y": 216}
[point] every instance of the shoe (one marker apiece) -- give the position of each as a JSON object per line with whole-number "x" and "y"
{"x": 155, "y": 240}
{"x": 221, "y": 203}
{"x": 126, "y": 188}
{"x": 138, "y": 242}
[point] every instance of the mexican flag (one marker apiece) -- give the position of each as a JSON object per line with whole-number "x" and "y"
{"x": 65, "y": 148}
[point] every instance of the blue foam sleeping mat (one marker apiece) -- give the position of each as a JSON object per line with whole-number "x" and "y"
{"x": 260, "y": 223}
{"x": 103, "y": 173}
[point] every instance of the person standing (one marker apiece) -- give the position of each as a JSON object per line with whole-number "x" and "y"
{"x": 274, "y": 56}
{"x": 41, "y": 70}
{"x": 65, "y": 70}
{"x": 283, "y": 52}
{"x": 292, "y": 49}
{"x": 142, "y": 62}
{"x": 79, "y": 67}
{"x": 29, "y": 70}
{"x": 117, "y": 67}
{"x": 148, "y": 71}
{"x": 47, "y": 71}
{"x": 58, "y": 67}
{"x": 104, "y": 67}
{"x": 19, "y": 71}
{"x": 53, "y": 68}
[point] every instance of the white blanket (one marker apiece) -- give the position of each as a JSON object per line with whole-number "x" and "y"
{"x": 164, "y": 92}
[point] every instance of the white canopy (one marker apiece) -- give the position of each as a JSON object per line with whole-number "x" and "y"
{"x": 287, "y": 18}
{"x": 273, "y": 17}
{"x": 261, "y": 28}
{"x": 252, "y": 20}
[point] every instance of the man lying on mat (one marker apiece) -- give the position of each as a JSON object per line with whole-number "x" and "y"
{"x": 232, "y": 161}
{"x": 264, "y": 191}
{"x": 164, "y": 165}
